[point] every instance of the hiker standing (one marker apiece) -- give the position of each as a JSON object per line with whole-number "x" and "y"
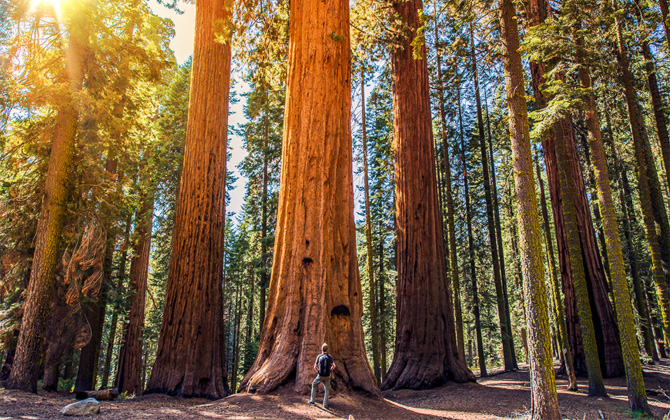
{"x": 323, "y": 365}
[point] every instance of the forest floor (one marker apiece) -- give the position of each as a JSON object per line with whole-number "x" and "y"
{"x": 499, "y": 396}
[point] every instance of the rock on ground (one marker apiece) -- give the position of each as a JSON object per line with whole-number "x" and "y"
{"x": 82, "y": 408}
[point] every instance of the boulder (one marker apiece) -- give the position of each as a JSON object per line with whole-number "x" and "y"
{"x": 82, "y": 408}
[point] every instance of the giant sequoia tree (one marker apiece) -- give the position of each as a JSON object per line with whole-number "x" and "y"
{"x": 315, "y": 289}
{"x": 426, "y": 353}
{"x": 190, "y": 359}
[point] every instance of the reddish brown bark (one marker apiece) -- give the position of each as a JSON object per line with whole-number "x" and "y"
{"x": 190, "y": 356}
{"x": 315, "y": 289}
{"x": 426, "y": 353}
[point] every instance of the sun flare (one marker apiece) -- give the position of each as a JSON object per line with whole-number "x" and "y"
{"x": 48, "y": 4}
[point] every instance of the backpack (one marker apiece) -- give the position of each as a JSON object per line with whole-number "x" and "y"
{"x": 325, "y": 363}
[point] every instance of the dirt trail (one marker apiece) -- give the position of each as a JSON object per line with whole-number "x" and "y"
{"x": 502, "y": 396}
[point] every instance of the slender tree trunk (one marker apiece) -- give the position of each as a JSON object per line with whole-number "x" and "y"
{"x": 264, "y": 211}
{"x": 556, "y": 289}
{"x": 449, "y": 198}
{"x": 115, "y": 315}
{"x": 368, "y": 239}
{"x": 382, "y": 304}
{"x": 426, "y": 353}
{"x": 637, "y": 396}
{"x": 37, "y": 307}
{"x": 505, "y": 334}
{"x": 191, "y": 355}
{"x": 658, "y": 106}
{"x": 128, "y": 375}
{"x": 471, "y": 251}
{"x": 315, "y": 289}
{"x": 663, "y": 4}
{"x": 236, "y": 340}
{"x": 643, "y": 185}
{"x": 248, "y": 354}
{"x": 640, "y": 293}
{"x": 498, "y": 226}
{"x": 544, "y": 402}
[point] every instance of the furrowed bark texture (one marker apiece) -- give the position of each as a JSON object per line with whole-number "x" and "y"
{"x": 128, "y": 376}
{"x": 37, "y": 308}
{"x": 637, "y": 396}
{"x": 426, "y": 353}
{"x": 315, "y": 289}
{"x": 190, "y": 357}
{"x": 544, "y": 401}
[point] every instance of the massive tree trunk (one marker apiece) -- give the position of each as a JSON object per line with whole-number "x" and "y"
{"x": 190, "y": 358}
{"x": 604, "y": 320}
{"x": 544, "y": 401}
{"x": 315, "y": 289}
{"x": 637, "y": 396}
{"x": 426, "y": 353}
{"x": 505, "y": 333}
{"x": 128, "y": 375}
{"x": 37, "y": 308}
